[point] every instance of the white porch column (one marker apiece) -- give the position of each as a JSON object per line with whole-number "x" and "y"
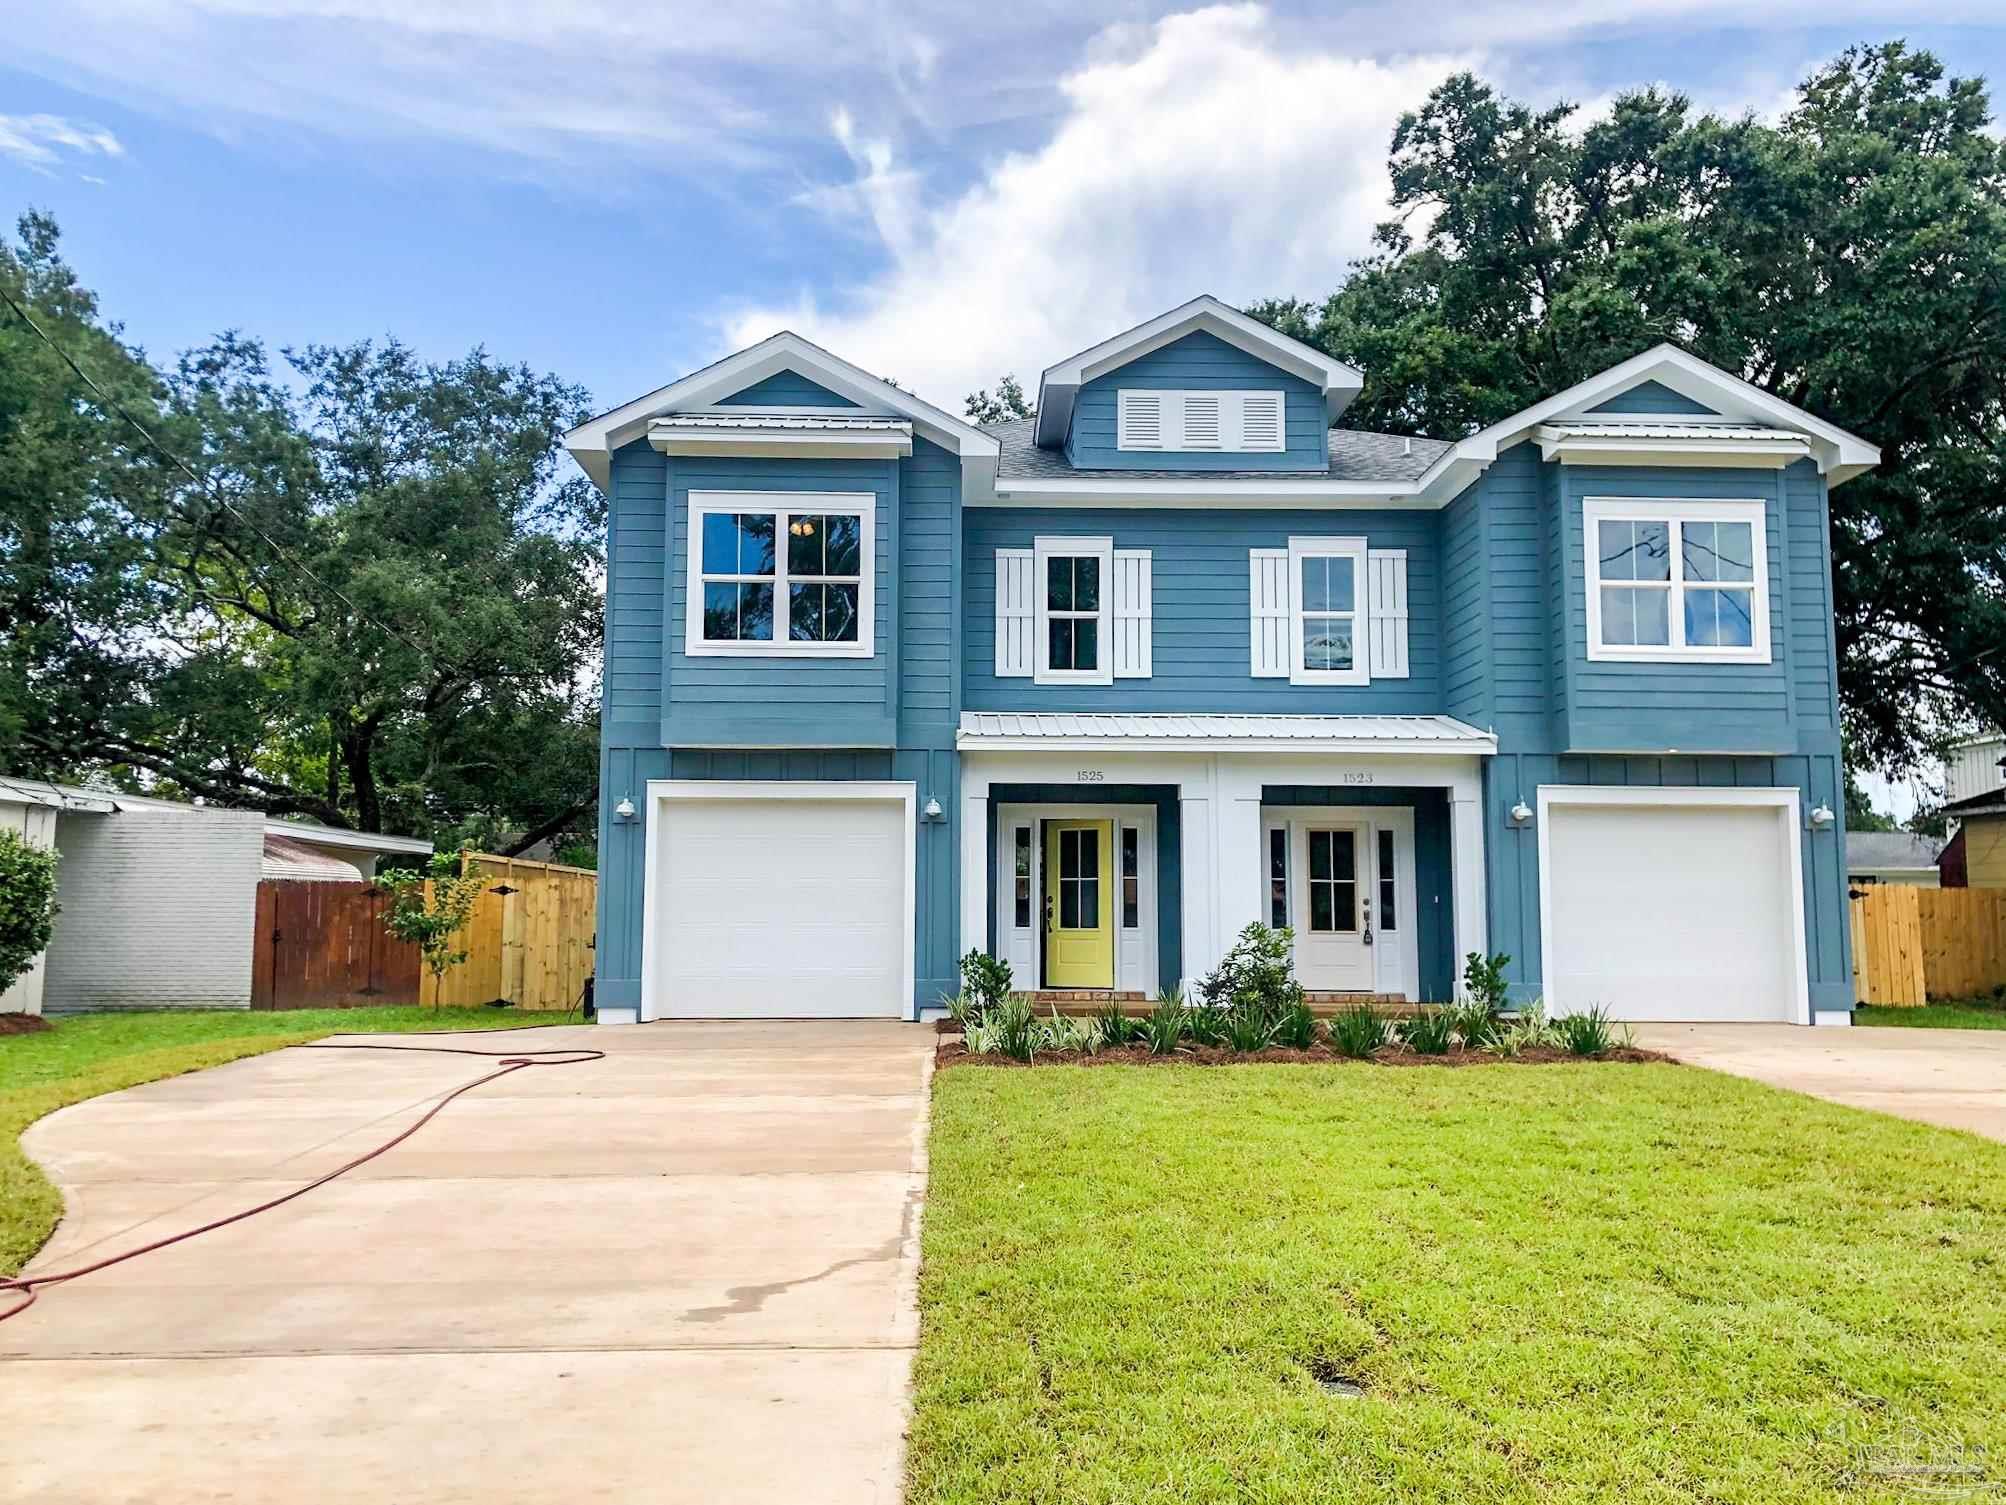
{"x": 974, "y": 862}
{"x": 1199, "y": 878}
{"x": 1466, "y": 861}
{"x": 1238, "y": 856}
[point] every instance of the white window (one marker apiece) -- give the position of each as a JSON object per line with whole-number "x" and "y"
{"x": 1223, "y": 421}
{"x": 779, "y": 574}
{"x": 1679, "y": 581}
{"x": 1074, "y": 610}
{"x": 1328, "y": 631}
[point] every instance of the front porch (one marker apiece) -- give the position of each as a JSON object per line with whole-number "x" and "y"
{"x": 1123, "y": 854}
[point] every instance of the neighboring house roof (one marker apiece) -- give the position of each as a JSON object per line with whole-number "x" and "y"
{"x": 1891, "y": 851}
{"x": 293, "y": 860}
{"x": 1355, "y": 455}
{"x": 55, "y": 796}
{"x": 1056, "y": 731}
{"x": 79, "y": 800}
{"x": 1991, "y": 802}
{"x": 1061, "y": 383}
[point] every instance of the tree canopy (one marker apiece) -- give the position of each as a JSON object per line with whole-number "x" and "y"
{"x": 1850, "y": 259}
{"x": 1006, "y": 402}
{"x": 379, "y": 606}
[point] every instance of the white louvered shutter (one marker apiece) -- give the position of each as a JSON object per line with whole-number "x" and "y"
{"x": 1131, "y": 614}
{"x": 1204, "y": 421}
{"x": 1268, "y": 585}
{"x": 1015, "y": 614}
{"x": 1139, "y": 421}
{"x": 1261, "y": 421}
{"x": 1386, "y": 575}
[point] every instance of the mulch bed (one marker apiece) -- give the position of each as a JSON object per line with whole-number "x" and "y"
{"x": 953, "y": 1051}
{"x": 22, "y": 1024}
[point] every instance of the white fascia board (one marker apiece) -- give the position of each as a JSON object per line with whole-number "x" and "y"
{"x": 592, "y": 443}
{"x": 1060, "y": 384}
{"x": 1196, "y": 490}
{"x": 1758, "y": 454}
{"x": 1840, "y": 455}
{"x": 781, "y": 444}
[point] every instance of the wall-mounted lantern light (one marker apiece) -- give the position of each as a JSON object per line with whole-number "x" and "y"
{"x": 1521, "y": 814}
{"x": 932, "y": 809}
{"x": 625, "y": 809}
{"x": 1821, "y": 817}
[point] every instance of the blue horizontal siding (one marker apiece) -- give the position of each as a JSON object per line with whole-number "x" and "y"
{"x": 929, "y": 537}
{"x": 1200, "y": 361}
{"x": 1201, "y": 610}
{"x": 786, "y": 389}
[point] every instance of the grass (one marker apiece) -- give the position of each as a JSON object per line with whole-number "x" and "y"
{"x": 90, "y": 1054}
{"x": 1984, "y": 1013}
{"x": 1562, "y": 1284}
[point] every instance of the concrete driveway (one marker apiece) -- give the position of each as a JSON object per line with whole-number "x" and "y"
{"x": 1952, "y": 1077}
{"x": 685, "y": 1272}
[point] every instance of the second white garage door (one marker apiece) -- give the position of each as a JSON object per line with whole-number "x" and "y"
{"x": 1672, "y": 911}
{"x": 774, "y": 903}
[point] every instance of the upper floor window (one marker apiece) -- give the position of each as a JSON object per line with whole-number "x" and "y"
{"x": 1224, "y": 421}
{"x": 1074, "y": 610}
{"x": 1327, "y": 616}
{"x": 1679, "y": 581}
{"x": 779, "y": 574}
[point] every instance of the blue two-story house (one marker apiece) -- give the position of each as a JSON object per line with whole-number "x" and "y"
{"x": 1094, "y": 690}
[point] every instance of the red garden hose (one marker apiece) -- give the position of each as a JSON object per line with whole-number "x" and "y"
{"x": 511, "y": 1061}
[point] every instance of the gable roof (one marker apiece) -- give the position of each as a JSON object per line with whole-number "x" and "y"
{"x": 1061, "y": 383}
{"x": 592, "y": 443}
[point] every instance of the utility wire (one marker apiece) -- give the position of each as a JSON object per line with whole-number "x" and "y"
{"x": 284, "y": 554}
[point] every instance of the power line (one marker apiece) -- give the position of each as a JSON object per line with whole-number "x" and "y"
{"x": 204, "y": 484}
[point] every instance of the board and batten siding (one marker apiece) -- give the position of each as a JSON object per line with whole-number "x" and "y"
{"x": 1199, "y": 362}
{"x": 1201, "y": 610}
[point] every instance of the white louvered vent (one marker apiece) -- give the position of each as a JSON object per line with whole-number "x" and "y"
{"x": 1015, "y": 614}
{"x": 1386, "y": 590}
{"x": 1131, "y": 614}
{"x": 1268, "y": 585}
{"x": 1217, "y": 421}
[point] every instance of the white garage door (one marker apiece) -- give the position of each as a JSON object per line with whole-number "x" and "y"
{"x": 1673, "y": 911}
{"x": 777, "y": 907}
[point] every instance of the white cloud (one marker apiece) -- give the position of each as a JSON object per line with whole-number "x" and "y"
{"x": 1205, "y": 153}
{"x": 40, "y": 142}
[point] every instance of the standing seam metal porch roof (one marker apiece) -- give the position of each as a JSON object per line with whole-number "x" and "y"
{"x": 1309, "y": 733}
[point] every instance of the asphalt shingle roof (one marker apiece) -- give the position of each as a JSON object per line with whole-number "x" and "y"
{"x": 1355, "y": 455}
{"x": 1885, "y": 849}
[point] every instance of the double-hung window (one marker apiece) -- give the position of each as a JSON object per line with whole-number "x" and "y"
{"x": 1327, "y": 611}
{"x": 1074, "y": 636}
{"x": 779, "y": 574}
{"x": 1677, "y": 581}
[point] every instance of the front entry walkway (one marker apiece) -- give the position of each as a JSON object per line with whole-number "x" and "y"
{"x": 1952, "y": 1077}
{"x": 685, "y": 1272}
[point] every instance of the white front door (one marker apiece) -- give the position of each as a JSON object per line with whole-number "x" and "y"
{"x": 1333, "y": 906}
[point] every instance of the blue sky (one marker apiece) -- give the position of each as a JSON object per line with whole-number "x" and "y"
{"x": 941, "y": 193}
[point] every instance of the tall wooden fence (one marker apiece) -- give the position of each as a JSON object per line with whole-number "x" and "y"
{"x": 530, "y": 940}
{"x": 1914, "y": 944}
{"x": 323, "y": 945}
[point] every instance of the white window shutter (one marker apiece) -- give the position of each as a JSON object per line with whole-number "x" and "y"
{"x": 1139, "y": 421}
{"x": 1386, "y": 575}
{"x": 1261, "y": 421}
{"x": 1131, "y": 614}
{"x": 1268, "y": 585}
{"x": 1204, "y": 421}
{"x": 1015, "y": 613}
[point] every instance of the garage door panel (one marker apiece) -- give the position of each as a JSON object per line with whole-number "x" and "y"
{"x": 781, "y": 907}
{"x": 1672, "y": 912}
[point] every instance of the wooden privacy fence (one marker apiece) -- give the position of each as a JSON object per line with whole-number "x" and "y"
{"x": 1914, "y": 944}
{"x": 324, "y": 945}
{"x": 530, "y": 940}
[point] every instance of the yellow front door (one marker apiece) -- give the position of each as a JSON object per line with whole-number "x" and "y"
{"x": 1079, "y": 904}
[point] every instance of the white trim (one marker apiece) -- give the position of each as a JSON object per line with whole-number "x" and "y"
{"x": 1830, "y": 1018}
{"x": 783, "y": 443}
{"x": 1673, "y": 512}
{"x": 1784, "y": 801}
{"x": 1766, "y": 453}
{"x": 1135, "y": 962}
{"x": 1043, "y": 549}
{"x": 782, "y": 504}
{"x": 661, "y": 792}
{"x": 1395, "y": 966}
{"x": 1059, "y": 385}
{"x": 1353, "y": 549}
{"x": 604, "y": 1015}
{"x": 1172, "y": 410}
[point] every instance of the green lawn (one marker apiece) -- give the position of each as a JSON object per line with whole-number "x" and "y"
{"x": 1981, "y": 1014}
{"x": 84, "y": 1056}
{"x": 1564, "y": 1283}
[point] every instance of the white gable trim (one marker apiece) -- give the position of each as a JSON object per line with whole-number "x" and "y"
{"x": 592, "y": 443}
{"x": 1060, "y": 384}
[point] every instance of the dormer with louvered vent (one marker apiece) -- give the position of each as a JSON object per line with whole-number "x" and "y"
{"x": 1218, "y": 422}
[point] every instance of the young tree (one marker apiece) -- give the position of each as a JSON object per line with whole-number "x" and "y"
{"x": 431, "y": 907}
{"x": 1850, "y": 260}
{"x": 27, "y": 905}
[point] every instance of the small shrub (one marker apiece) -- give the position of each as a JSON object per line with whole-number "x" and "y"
{"x": 1258, "y": 972}
{"x": 1246, "y": 1026}
{"x": 1592, "y": 1033}
{"x": 1017, "y": 1032}
{"x": 27, "y": 905}
{"x": 1206, "y": 1025}
{"x": 985, "y": 980}
{"x": 1475, "y": 1025}
{"x": 1529, "y": 1031}
{"x": 1117, "y": 1028}
{"x": 1164, "y": 1026}
{"x": 1296, "y": 1029}
{"x": 1358, "y": 1031}
{"x": 1430, "y": 1032}
{"x": 962, "y": 1009}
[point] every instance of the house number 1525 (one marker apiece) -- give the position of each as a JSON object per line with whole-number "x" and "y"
{"x": 1090, "y": 776}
